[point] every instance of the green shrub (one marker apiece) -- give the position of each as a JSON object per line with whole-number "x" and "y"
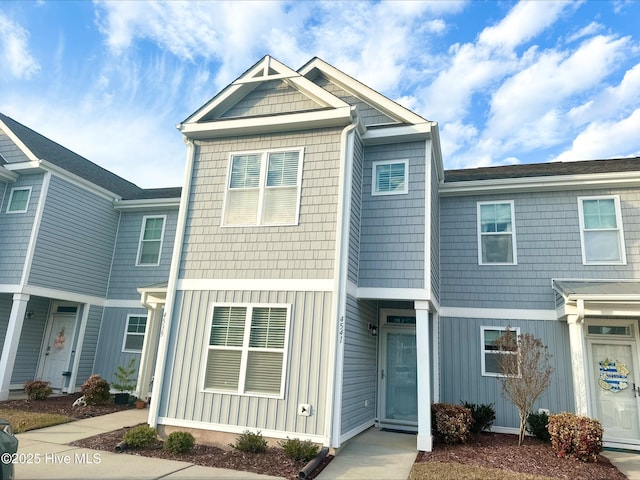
{"x": 483, "y": 416}
{"x": 451, "y": 423}
{"x": 141, "y": 436}
{"x": 537, "y": 426}
{"x": 125, "y": 380}
{"x": 298, "y": 450}
{"x": 96, "y": 390}
{"x": 250, "y": 442}
{"x": 575, "y": 436}
{"x": 179, "y": 442}
{"x": 37, "y": 390}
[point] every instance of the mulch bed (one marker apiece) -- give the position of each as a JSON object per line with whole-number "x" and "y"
{"x": 63, "y": 405}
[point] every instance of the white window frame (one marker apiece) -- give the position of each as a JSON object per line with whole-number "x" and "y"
{"x": 483, "y": 352}
{"x": 262, "y": 186}
{"x": 141, "y": 239}
{"x": 127, "y": 333}
{"x": 18, "y": 189}
{"x": 374, "y": 177}
{"x": 512, "y": 233}
{"x": 619, "y": 229}
{"x": 245, "y": 350}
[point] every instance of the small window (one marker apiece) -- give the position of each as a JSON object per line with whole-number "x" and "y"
{"x": 491, "y": 355}
{"x": 390, "y": 178}
{"x": 246, "y": 350}
{"x": 134, "y": 333}
{"x": 19, "y": 200}
{"x": 601, "y": 231}
{"x": 151, "y": 237}
{"x": 496, "y": 233}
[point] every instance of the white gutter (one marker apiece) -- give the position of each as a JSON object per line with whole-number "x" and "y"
{"x": 147, "y": 203}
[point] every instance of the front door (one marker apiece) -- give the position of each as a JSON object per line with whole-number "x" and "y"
{"x": 57, "y": 347}
{"x": 614, "y": 375}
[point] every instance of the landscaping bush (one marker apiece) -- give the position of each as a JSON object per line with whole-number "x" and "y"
{"x": 179, "y": 442}
{"x": 483, "y": 416}
{"x": 96, "y": 390}
{"x": 451, "y": 423}
{"x": 37, "y": 390}
{"x": 575, "y": 436}
{"x": 250, "y": 442}
{"x": 298, "y": 450}
{"x": 537, "y": 426}
{"x": 141, "y": 436}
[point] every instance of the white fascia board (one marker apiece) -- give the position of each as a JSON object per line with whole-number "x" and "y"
{"x": 549, "y": 183}
{"x": 8, "y": 175}
{"x": 123, "y": 303}
{"x": 268, "y": 124}
{"x": 147, "y": 204}
{"x": 14, "y": 138}
{"x": 241, "y": 284}
{"x": 498, "y": 313}
{"x": 62, "y": 295}
{"x": 375, "y": 293}
{"x": 397, "y": 134}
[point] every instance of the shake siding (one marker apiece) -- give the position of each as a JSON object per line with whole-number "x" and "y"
{"x": 75, "y": 242}
{"x": 461, "y": 375}
{"x": 356, "y": 211}
{"x": 271, "y": 98}
{"x": 306, "y": 374}
{"x": 306, "y": 250}
{"x": 10, "y": 151}
{"x": 359, "y": 381}
{"x": 126, "y": 277}
{"x": 30, "y": 346}
{"x": 548, "y": 246}
{"x": 15, "y": 230}
{"x": 88, "y": 354}
{"x": 392, "y": 233}
{"x": 435, "y": 232}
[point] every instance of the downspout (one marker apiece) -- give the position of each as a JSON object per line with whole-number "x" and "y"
{"x": 338, "y": 307}
{"x": 165, "y": 329}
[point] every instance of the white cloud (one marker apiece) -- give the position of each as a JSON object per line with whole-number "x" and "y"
{"x": 589, "y": 30}
{"x": 14, "y": 49}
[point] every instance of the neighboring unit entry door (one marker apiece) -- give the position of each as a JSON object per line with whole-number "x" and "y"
{"x": 57, "y": 349}
{"x": 616, "y": 389}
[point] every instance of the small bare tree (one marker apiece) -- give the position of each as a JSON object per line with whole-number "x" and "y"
{"x": 526, "y": 369}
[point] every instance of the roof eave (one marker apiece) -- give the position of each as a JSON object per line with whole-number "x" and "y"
{"x": 147, "y": 204}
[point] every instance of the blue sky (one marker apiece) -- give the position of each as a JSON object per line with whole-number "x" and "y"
{"x": 507, "y": 82}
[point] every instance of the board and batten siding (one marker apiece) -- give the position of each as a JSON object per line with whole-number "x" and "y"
{"x": 75, "y": 242}
{"x": 392, "y": 233}
{"x": 359, "y": 378}
{"x": 307, "y": 375}
{"x": 435, "y": 231}
{"x": 303, "y": 251}
{"x": 461, "y": 377}
{"x": 88, "y": 353}
{"x": 547, "y": 242}
{"x": 356, "y": 210}
{"x": 15, "y": 229}
{"x": 30, "y": 346}
{"x": 126, "y": 277}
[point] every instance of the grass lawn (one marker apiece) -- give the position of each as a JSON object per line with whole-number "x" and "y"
{"x": 21, "y": 421}
{"x": 456, "y": 471}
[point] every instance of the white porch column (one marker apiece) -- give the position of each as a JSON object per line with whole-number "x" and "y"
{"x": 576, "y": 342}
{"x": 11, "y": 341}
{"x": 425, "y": 441}
{"x": 149, "y": 350}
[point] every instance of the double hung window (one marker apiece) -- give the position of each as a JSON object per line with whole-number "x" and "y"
{"x": 134, "y": 333}
{"x": 492, "y": 356}
{"x": 19, "y": 200}
{"x": 601, "y": 231}
{"x": 496, "y": 233}
{"x": 150, "y": 245}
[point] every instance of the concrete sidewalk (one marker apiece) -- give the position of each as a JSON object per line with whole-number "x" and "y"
{"x": 626, "y": 461}
{"x": 45, "y": 454}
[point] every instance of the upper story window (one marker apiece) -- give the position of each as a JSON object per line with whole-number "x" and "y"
{"x": 134, "y": 333}
{"x": 19, "y": 200}
{"x": 390, "y": 177}
{"x": 496, "y": 233}
{"x": 493, "y": 358}
{"x": 601, "y": 231}
{"x": 151, "y": 237}
{"x": 264, "y": 188}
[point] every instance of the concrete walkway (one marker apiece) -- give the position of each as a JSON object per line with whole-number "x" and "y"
{"x": 627, "y": 462}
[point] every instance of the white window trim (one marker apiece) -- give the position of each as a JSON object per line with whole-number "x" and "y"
{"x": 14, "y": 189}
{"x": 513, "y": 232}
{"x": 483, "y": 329}
{"x": 245, "y": 350}
{"x": 374, "y": 182}
{"x": 620, "y": 230}
{"x": 144, "y": 224}
{"x": 126, "y": 332}
{"x": 264, "y": 156}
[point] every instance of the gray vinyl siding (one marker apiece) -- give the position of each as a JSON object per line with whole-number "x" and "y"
{"x": 88, "y": 354}
{"x": 356, "y": 210}
{"x": 15, "y": 230}
{"x": 126, "y": 277}
{"x": 9, "y": 150}
{"x": 307, "y": 375}
{"x": 75, "y": 242}
{"x": 109, "y": 352}
{"x": 548, "y": 246}
{"x": 461, "y": 375}
{"x": 30, "y": 346}
{"x": 6, "y": 302}
{"x": 435, "y": 232}
{"x": 271, "y": 98}
{"x": 359, "y": 380}
{"x": 392, "y": 235}
{"x": 306, "y": 250}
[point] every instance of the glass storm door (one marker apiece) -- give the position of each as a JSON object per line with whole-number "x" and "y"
{"x": 398, "y": 378}
{"x": 614, "y": 374}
